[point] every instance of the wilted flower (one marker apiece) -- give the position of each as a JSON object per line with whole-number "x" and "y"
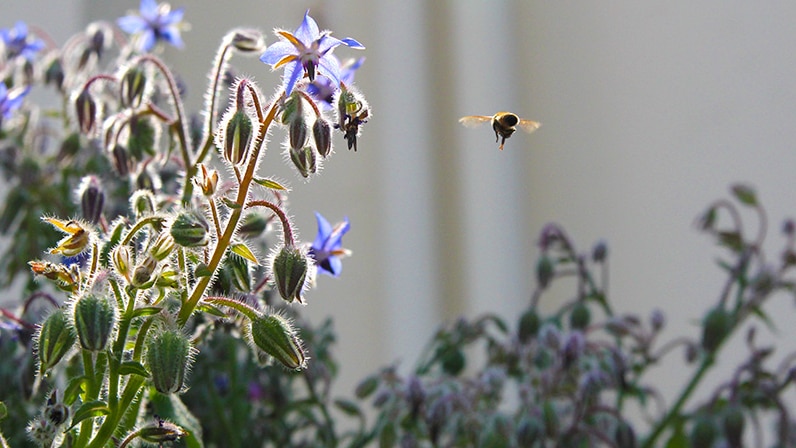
{"x": 154, "y": 23}
{"x": 306, "y": 51}
{"x": 76, "y": 239}
{"x": 327, "y": 248}
{"x": 18, "y": 42}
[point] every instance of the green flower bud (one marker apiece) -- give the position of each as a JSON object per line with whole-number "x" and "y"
{"x": 452, "y": 358}
{"x": 322, "y": 134}
{"x": 716, "y": 327}
{"x": 733, "y": 424}
{"x": 235, "y": 135}
{"x": 529, "y": 325}
{"x": 297, "y": 132}
{"x": 248, "y": 40}
{"x": 704, "y": 431}
{"x": 252, "y": 226}
{"x": 274, "y": 335}
{"x": 162, "y": 247}
{"x": 86, "y": 109}
{"x": 580, "y": 316}
{"x": 239, "y": 273}
{"x": 132, "y": 87}
{"x": 545, "y": 271}
{"x": 160, "y": 432}
{"x": 168, "y": 358}
{"x": 189, "y": 229}
{"x": 624, "y": 436}
{"x": 144, "y": 274}
{"x": 56, "y": 338}
{"x": 304, "y": 160}
{"x": 142, "y": 202}
{"x": 122, "y": 261}
{"x": 290, "y": 270}
{"x": 95, "y": 317}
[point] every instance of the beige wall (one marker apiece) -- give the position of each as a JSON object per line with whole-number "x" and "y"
{"x": 650, "y": 111}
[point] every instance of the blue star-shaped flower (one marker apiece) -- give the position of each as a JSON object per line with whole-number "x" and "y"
{"x": 323, "y": 90}
{"x": 306, "y": 51}
{"x": 327, "y": 248}
{"x": 18, "y": 42}
{"x": 154, "y": 23}
{"x": 10, "y": 100}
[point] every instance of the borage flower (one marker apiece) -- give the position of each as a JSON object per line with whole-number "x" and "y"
{"x": 154, "y": 23}
{"x": 327, "y": 248}
{"x": 306, "y": 51}
{"x": 10, "y": 100}
{"x": 18, "y": 42}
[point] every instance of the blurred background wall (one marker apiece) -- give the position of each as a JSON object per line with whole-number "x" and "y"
{"x": 650, "y": 110}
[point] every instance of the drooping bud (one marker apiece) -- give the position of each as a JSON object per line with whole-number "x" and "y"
{"x": 86, "y": 109}
{"x": 545, "y": 271}
{"x": 716, "y": 327}
{"x": 704, "y": 431}
{"x": 189, "y": 229}
{"x": 161, "y": 431}
{"x": 92, "y": 199}
{"x": 304, "y": 160}
{"x": 235, "y": 135}
{"x": 168, "y": 359}
{"x": 142, "y": 202}
{"x": 322, "y": 134}
{"x": 95, "y": 317}
{"x": 122, "y": 261}
{"x": 252, "y": 225}
{"x": 121, "y": 160}
{"x": 54, "y": 74}
{"x": 290, "y": 270}
{"x": 162, "y": 247}
{"x": 144, "y": 274}
{"x": 248, "y": 40}
{"x": 274, "y": 335}
{"x": 297, "y": 131}
{"x": 624, "y": 436}
{"x": 56, "y": 338}
{"x": 131, "y": 90}
{"x": 529, "y": 325}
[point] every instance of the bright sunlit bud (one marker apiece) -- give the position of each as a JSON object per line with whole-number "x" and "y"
{"x": 56, "y": 338}
{"x": 132, "y": 87}
{"x": 235, "y": 135}
{"x": 290, "y": 270}
{"x": 163, "y": 246}
{"x": 144, "y": 274}
{"x": 297, "y": 132}
{"x": 207, "y": 180}
{"x": 248, "y": 40}
{"x": 168, "y": 358}
{"x": 160, "y": 432}
{"x": 122, "y": 261}
{"x": 274, "y": 335}
{"x": 95, "y": 317}
{"x": 142, "y": 202}
{"x": 189, "y": 230}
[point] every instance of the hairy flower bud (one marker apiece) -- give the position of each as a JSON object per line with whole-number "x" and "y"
{"x": 86, "y": 109}
{"x": 290, "y": 270}
{"x": 162, "y": 247}
{"x": 92, "y": 199}
{"x": 122, "y": 261}
{"x": 252, "y": 225}
{"x": 248, "y": 40}
{"x": 161, "y": 431}
{"x": 56, "y": 338}
{"x": 322, "y": 134}
{"x": 207, "y": 181}
{"x": 304, "y": 160}
{"x": 235, "y": 135}
{"x": 704, "y": 431}
{"x": 274, "y": 335}
{"x": 168, "y": 358}
{"x": 121, "y": 160}
{"x": 132, "y": 87}
{"x": 189, "y": 229}
{"x": 55, "y": 410}
{"x": 144, "y": 274}
{"x": 54, "y": 74}
{"x": 142, "y": 202}
{"x": 716, "y": 327}
{"x": 239, "y": 273}
{"x": 297, "y": 131}
{"x": 95, "y": 317}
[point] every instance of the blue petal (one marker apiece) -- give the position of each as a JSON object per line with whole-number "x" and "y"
{"x": 326, "y": 43}
{"x": 172, "y": 36}
{"x": 277, "y": 51}
{"x": 3, "y": 90}
{"x": 293, "y": 71}
{"x": 147, "y": 40}
{"x": 353, "y": 43}
{"x": 174, "y": 16}
{"x": 324, "y": 230}
{"x": 132, "y": 24}
{"x": 335, "y": 266}
{"x": 21, "y": 30}
{"x": 330, "y": 67}
{"x": 335, "y": 240}
{"x": 148, "y": 8}
{"x": 308, "y": 31}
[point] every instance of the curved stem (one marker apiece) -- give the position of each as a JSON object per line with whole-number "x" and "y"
{"x": 286, "y": 228}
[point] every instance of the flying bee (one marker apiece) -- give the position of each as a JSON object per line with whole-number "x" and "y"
{"x": 503, "y": 123}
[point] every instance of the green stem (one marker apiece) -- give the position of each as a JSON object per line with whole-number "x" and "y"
{"x": 92, "y": 391}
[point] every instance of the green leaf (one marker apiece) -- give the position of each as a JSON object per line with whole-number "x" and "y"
{"x": 133, "y": 368}
{"x": 73, "y": 389}
{"x": 146, "y": 311}
{"x": 744, "y": 194}
{"x": 348, "y": 406}
{"x": 731, "y": 240}
{"x": 90, "y": 409}
{"x": 678, "y": 439}
{"x": 202, "y": 270}
{"x": 244, "y": 251}
{"x": 757, "y": 311}
{"x": 210, "y": 309}
{"x": 272, "y": 184}
{"x": 230, "y": 203}
{"x": 3, "y": 410}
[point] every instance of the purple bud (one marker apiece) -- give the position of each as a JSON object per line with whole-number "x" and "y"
{"x": 92, "y": 199}
{"x": 86, "y": 109}
{"x": 322, "y": 134}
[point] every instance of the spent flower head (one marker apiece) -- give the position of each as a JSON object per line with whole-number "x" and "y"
{"x": 323, "y": 89}
{"x": 18, "y": 42}
{"x": 154, "y": 22}
{"x": 307, "y": 50}
{"x": 327, "y": 249}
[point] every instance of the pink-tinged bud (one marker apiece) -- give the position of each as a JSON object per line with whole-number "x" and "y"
{"x": 322, "y": 134}
{"x": 274, "y": 335}
{"x": 95, "y": 317}
{"x": 290, "y": 270}
{"x": 56, "y": 338}
{"x": 132, "y": 87}
{"x": 168, "y": 359}
{"x": 86, "y": 109}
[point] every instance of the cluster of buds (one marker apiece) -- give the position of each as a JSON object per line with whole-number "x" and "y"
{"x": 305, "y": 143}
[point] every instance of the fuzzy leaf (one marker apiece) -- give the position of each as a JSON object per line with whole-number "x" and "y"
{"x": 272, "y": 184}
{"x": 211, "y": 310}
{"x": 133, "y": 368}
{"x": 244, "y": 251}
{"x": 89, "y": 410}
{"x": 73, "y": 389}
{"x": 230, "y": 203}
{"x": 347, "y": 406}
{"x": 202, "y": 270}
{"x": 146, "y": 311}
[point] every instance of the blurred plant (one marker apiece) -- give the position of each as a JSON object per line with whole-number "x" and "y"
{"x": 157, "y": 263}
